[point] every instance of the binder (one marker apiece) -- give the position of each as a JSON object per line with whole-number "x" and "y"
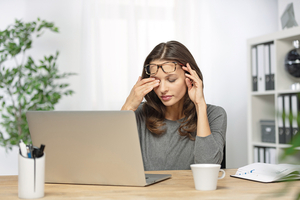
{"x": 272, "y": 66}
{"x": 267, "y": 155}
{"x": 267, "y": 66}
{"x": 280, "y": 120}
{"x": 261, "y": 154}
{"x": 287, "y": 124}
{"x": 255, "y": 155}
{"x": 272, "y": 156}
{"x": 254, "y": 69}
{"x": 294, "y": 110}
{"x": 261, "y": 84}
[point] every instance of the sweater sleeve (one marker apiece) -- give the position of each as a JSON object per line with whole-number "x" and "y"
{"x": 209, "y": 149}
{"x": 140, "y": 119}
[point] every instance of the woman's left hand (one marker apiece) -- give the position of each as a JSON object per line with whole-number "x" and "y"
{"x": 194, "y": 84}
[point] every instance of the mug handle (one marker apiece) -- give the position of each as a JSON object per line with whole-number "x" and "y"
{"x": 223, "y": 174}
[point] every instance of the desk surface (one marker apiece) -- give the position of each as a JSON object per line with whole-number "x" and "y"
{"x": 180, "y": 186}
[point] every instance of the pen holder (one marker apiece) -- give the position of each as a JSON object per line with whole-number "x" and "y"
{"x": 31, "y": 179}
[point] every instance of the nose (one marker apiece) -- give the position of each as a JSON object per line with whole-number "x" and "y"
{"x": 163, "y": 87}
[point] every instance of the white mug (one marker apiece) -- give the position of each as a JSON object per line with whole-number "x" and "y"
{"x": 206, "y": 176}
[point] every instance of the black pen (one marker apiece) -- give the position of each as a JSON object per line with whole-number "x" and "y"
{"x": 39, "y": 152}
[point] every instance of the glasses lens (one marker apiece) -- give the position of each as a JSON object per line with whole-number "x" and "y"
{"x": 169, "y": 67}
{"x": 151, "y": 69}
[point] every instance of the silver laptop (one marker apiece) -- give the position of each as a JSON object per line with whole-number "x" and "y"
{"x": 90, "y": 147}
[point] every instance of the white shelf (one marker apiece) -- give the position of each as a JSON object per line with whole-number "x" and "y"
{"x": 263, "y": 93}
{"x": 288, "y": 91}
{"x": 262, "y": 105}
{"x": 287, "y": 34}
{"x": 264, "y": 144}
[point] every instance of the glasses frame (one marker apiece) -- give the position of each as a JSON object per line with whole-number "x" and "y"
{"x": 160, "y": 66}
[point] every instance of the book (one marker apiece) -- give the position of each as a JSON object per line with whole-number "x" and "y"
{"x": 267, "y": 173}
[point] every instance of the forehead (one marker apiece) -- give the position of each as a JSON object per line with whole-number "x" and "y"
{"x": 160, "y": 61}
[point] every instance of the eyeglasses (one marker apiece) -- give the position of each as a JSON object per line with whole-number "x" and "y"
{"x": 167, "y": 67}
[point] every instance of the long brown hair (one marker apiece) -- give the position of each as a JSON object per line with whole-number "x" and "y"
{"x": 153, "y": 108}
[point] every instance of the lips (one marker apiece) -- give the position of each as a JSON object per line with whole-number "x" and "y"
{"x": 166, "y": 97}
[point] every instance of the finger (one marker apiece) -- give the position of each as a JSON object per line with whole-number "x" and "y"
{"x": 188, "y": 66}
{"x": 148, "y": 85}
{"x": 193, "y": 78}
{"x": 147, "y": 90}
{"x": 191, "y": 70}
{"x": 145, "y": 80}
{"x": 154, "y": 83}
{"x": 188, "y": 83}
{"x": 185, "y": 68}
{"x": 195, "y": 81}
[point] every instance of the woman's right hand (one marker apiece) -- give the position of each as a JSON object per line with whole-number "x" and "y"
{"x": 139, "y": 90}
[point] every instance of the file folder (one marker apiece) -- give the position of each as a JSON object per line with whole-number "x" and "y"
{"x": 272, "y": 64}
{"x": 294, "y": 110}
{"x": 254, "y": 69}
{"x": 255, "y": 155}
{"x": 267, "y": 66}
{"x": 267, "y": 154}
{"x": 280, "y": 120}
{"x": 287, "y": 124}
{"x": 261, "y": 85}
{"x": 262, "y": 155}
{"x": 272, "y": 155}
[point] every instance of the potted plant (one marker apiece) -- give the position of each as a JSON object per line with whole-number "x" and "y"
{"x": 26, "y": 84}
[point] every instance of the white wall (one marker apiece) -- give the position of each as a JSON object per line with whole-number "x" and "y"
{"x": 225, "y": 29}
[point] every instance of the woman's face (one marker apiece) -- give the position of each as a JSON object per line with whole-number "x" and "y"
{"x": 172, "y": 86}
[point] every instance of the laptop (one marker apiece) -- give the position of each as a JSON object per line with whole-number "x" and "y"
{"x": 90, "y": 147}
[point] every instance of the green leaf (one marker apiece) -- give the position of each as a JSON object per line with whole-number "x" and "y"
{"x": 5, "y": 116}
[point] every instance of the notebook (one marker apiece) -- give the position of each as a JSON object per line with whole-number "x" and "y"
{"x": 90, "y": 147}
{"x": 267, "y": 173}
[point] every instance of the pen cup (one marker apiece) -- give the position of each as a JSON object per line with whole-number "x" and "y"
{"x": 31, "y": 179}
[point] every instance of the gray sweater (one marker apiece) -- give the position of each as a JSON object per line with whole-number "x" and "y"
{"x": 170, "y": 151}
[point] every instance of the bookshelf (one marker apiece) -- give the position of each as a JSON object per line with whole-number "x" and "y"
{"x": 262, "y": 105}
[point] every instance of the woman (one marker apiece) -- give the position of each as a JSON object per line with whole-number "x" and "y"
{"x": 176, "y": 127}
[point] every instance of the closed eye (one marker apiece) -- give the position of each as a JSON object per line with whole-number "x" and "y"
{"x": 172, "y": 80}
